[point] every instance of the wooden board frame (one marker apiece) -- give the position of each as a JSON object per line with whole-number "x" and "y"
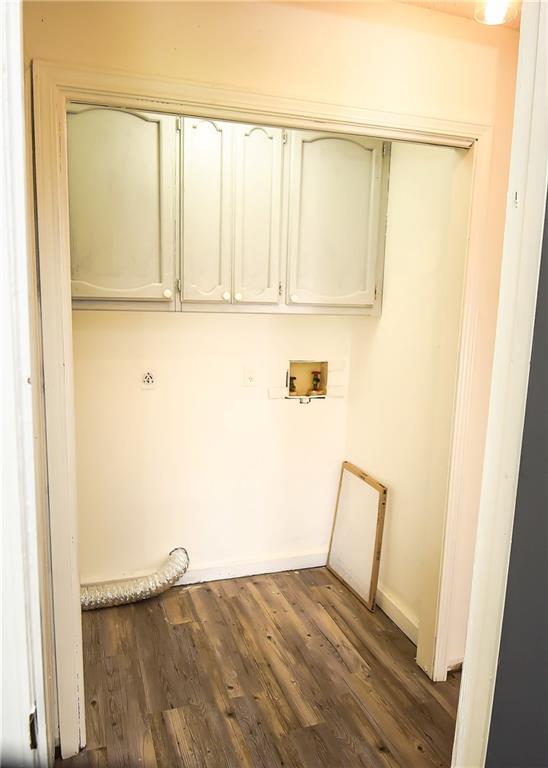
{"x": 379, "y": 529}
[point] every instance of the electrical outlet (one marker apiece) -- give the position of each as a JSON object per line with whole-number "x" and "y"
{"x": 148, "y": 380}
{"x": 250, "y": 376}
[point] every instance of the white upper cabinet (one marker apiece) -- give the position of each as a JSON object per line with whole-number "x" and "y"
{"x": 121, "y": 183}
{"x": 207, "y": 210}
{"x": 258, "y": 189}
{"x": 334, "y": 212}
{"x": 227, "y": 212}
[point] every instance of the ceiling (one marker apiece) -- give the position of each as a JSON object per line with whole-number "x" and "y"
{"x": 460, "y": 8}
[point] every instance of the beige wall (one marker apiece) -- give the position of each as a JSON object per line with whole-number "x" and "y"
{"x": 382, "y": 56}
{"x": 246, "y": 482}
{"x": 403, "y": 374}
{"x": 203, "y": 461}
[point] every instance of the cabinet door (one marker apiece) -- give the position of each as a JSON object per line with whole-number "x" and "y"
{"x": 335, "y": 186}
{"x": 207, "y": 210}
{"x": 121, "y": 184}
{"x": 258, "y": 180}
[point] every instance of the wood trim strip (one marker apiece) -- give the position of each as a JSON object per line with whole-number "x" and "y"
{"x": 125, "y": 89}
{"x": 364, "y": 476}
{"x": 381, "y": 513}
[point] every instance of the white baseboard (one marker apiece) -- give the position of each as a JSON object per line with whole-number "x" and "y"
{"x": 389, "y": 604}
{"x": 232, "y": 570}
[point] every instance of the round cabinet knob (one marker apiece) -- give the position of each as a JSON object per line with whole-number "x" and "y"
{"x": 226, "y": 296}
{"x": 294, "y": 297}
{"x": 168, "y": 294}
{"x": 238, "y": 297}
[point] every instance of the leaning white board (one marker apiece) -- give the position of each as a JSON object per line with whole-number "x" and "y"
{"x": 354, "y": 555}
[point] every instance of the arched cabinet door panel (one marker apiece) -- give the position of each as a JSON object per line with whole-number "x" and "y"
{"x": 258, "y": 186}
{"x": 122, "y": 185}
{"x": 334, "y": 212}
{"x": 207, "y": 210}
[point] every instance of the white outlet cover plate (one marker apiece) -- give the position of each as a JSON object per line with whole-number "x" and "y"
{"x": 277, "y": 393}
{"x": 335, "y": 390}
{"x": 250, "y": 376}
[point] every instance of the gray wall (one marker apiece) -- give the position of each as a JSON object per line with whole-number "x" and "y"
{"x": 519, "y": 725}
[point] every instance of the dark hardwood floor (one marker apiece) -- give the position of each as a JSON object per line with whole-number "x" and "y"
{"x": 285, "y": 670}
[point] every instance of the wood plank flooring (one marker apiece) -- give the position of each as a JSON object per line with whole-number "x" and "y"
{"x": 279, "y": 671}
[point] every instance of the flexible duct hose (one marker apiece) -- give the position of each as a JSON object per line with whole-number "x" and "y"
{"x": 110, "y": 593}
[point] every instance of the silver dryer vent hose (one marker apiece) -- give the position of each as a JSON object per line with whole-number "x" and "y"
{"x": 109, "y": 593}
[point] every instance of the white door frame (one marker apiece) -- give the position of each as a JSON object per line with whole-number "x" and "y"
{"x": 22, "y": 673}
{"x": 515, "y": 323}
{"x": 54, "y": 86}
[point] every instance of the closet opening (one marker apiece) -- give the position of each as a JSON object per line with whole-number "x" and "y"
{"x": 220, "y": 269}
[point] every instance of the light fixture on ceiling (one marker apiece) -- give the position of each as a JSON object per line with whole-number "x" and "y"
{"x": 495, "y": 12}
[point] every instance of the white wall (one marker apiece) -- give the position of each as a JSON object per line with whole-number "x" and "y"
{"x": 202, "y": 461}
{"x": 377, "y": 55}
{"x": 403, "y": 371}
